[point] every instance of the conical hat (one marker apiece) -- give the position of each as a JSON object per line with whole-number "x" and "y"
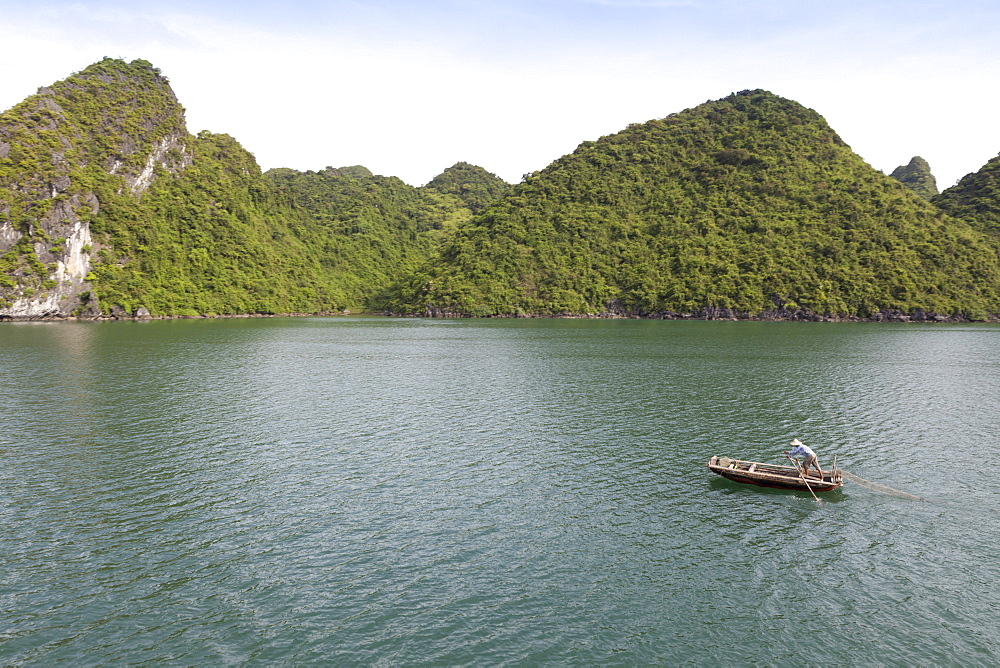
{"x": 796, "y": 442}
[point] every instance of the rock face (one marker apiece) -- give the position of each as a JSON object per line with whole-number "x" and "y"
{"x": 110, "y": 128}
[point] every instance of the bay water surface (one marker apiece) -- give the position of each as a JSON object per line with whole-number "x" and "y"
{"x": 370, "y": 491}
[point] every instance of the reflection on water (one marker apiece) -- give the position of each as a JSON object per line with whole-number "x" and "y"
{"x": 466, "y": 492}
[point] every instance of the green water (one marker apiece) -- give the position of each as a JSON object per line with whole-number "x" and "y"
{"x": 358, "y": 491}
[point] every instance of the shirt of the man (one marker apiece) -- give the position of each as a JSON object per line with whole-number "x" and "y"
{"x": 802, "y": 451}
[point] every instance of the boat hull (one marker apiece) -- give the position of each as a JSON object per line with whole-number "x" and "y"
{"x": 775, "y": 477}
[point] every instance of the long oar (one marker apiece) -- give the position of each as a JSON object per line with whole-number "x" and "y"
{"x": 803, "y": 478}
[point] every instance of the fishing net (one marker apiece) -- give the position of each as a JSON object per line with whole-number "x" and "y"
{"x": 879, "y": 488}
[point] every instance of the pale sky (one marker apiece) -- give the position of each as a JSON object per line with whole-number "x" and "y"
{"x": 407, "y": 88}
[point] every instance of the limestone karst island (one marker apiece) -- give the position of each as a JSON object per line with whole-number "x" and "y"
{"x": 750, "y": 206}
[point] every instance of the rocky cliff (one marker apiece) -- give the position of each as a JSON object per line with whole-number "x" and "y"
{"x": 105, "y": 132}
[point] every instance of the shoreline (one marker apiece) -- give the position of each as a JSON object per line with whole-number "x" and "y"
{"x": 147, "y": 318}
{"x": 707, "y": 314}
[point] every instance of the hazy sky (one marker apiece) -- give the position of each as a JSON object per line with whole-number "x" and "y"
{"x": 409, "y": 87}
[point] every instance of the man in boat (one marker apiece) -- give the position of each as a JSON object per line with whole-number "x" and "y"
{"x": 808, "y": 456}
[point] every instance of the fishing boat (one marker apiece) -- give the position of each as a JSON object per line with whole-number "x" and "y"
{"x": 771, "y": 475}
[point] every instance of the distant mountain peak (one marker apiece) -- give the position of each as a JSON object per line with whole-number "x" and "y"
{"x": 475, "y": 186}
{"x": 916, "y": 175}
{"x": 976, "y": 198}
{"x": 353, "y": 171}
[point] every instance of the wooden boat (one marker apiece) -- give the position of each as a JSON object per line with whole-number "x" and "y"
{"x": 770, "y": 475}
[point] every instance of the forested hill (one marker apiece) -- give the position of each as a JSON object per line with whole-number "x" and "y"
{"x": 747, "y": 205}
{"x": 68, "y": 156}
{"x": 366, "y": 230}
{"x": 476, "y": 187}
{"x": 108, "y": 205}
{"x": 976, "y": 198}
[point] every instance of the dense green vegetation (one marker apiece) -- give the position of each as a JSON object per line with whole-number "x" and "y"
{"x": 747, "y": 205}
{"x": 750, "y": 203}
{"x": 976, "y": 198}
{"x": 220, "y": 237}
{"x": 212, "y": 238}
{"x": 367, "y": 230}
{"x": 470, "y": 183}
{"x": 199, "y": 239}
{"x": 916, "y": 175}
{"x": 59, "y": 147}
{"x": 198, "y": 229}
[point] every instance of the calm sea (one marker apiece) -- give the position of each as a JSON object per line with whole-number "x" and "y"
{"x": 366, "y": 491}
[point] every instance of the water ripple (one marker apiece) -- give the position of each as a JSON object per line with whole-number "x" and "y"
{"x": 383, "y": 492}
